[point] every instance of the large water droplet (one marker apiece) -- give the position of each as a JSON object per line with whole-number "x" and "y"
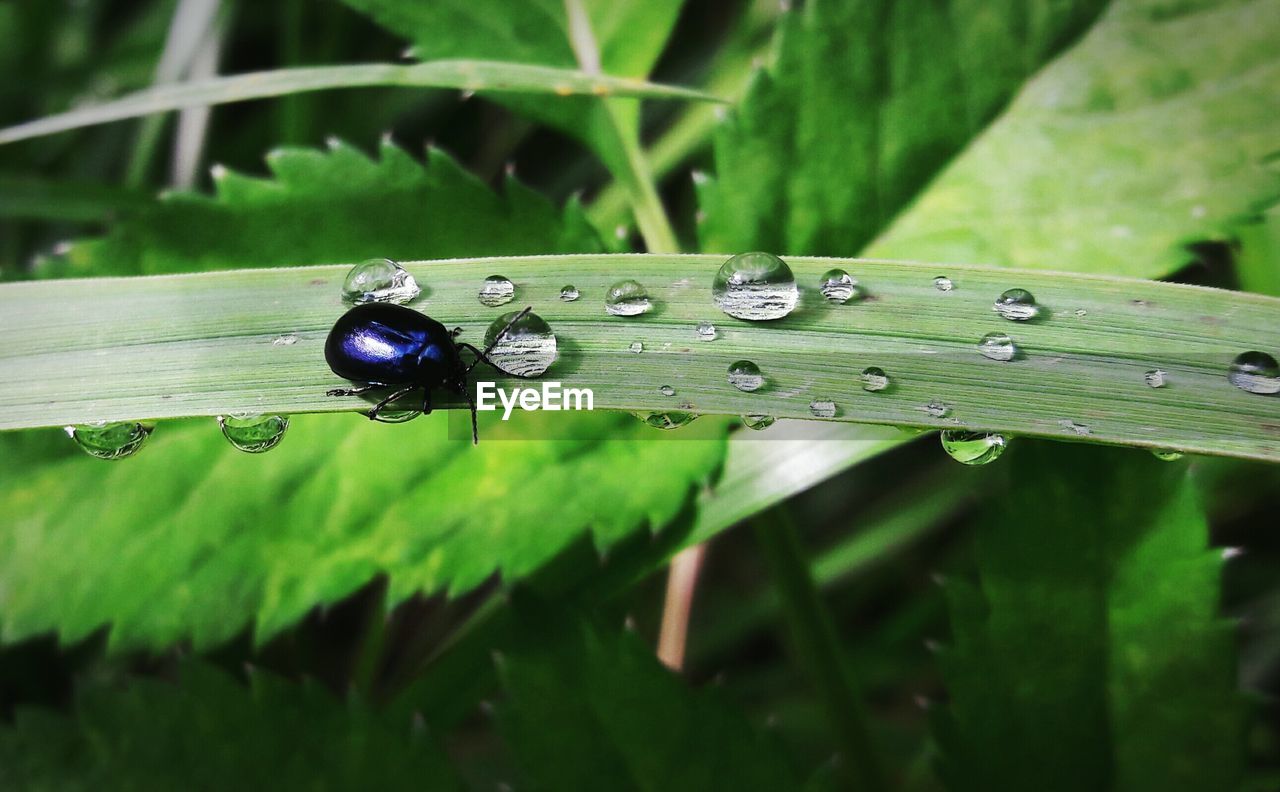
{"x": 379, "y": 280}
{"x": 570, "y": 293}
{"x": 997, "y": 346}
{"x": 745, "y": 376}
{"x": 705, "y": 331}
{"x": 937, "y": 409}
{"x": 526, "y": 349}
{"x": 637, "y": 347}
{"x": 1154, "y": 378}
{"x": 627, "y": 298}
{"x": 822, "y": 408}
{"x": 667, "y": 390}
{"x": 1255, "y": 372}
{"x": 972, "y": 448}
{"x": 943, "y": 284}
{"x": 253, "y": 434}
{"x": 755, "y": 286}
{"x": 758, "y": 422}
{"x": 103, "y": 440}
{"x": 497, "y": 290}
{"x": 838, "y": 287}
{"x": 874, "y": 379}
{"x": 1017, "y": 304}
{"x": 667, "y": 420}
{"x": 1166, "y": 454}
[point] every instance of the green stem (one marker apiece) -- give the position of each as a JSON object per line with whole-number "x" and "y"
{"x": 817, "y": 647}
{"x": 631, "y": 169}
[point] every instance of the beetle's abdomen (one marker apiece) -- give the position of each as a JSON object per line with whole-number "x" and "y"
{"x": 388, "y": 345}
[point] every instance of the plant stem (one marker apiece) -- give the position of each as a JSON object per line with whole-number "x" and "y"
{"x": 817, "y": 646}
{"x": 682, "y": 580}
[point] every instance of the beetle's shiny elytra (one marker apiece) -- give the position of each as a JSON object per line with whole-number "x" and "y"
{"x": 383, "y": 345}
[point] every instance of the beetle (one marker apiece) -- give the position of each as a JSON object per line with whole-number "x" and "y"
{"x": 383, "y": 345}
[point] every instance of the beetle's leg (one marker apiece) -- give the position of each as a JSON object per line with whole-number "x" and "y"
{"x": 426, "y": 401}
{"x": 483, "y": 358}
{"x": 350, "y": 391}
{"x": 471, "y": 402}
{"x": 380, "y": 406}
{"x": 457, "y": 331}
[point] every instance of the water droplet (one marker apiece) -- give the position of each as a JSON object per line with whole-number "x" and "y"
{"x": 1255, "y": 372}
{"x": 997, "y": 346}
{"x": 1017, "y": 304}
{"x": 667, "y": 390}
{"x": 1154, "y": 378}
{"x": 1072, "y": 426}
{"x": 874, "y": 379}
{"x": 570, "y": 293}
{"x": 636, "y": 346}
{"x": 526, "y": 349}
{"x": 822, "y": 408}
{"x": 397, "y": 416}
{"x": 938, "y": 409}
{"x": 497, "y": 290}
{"x": 745, "y": 376}
{"x": 973, "y": 448}
{"x": 706, "y": 331}
{"x": 379, "y": 280}
{"x": 755, "y": 286}
{"x": 758, "y": 422}
{"x": 839, "y": 287}
{"x": 1081, "y": 312}
{"x": 103, "y": 440}
{"x": 943, "y": 284}
{"x": 285, "y": 339}
{"x": 1166, "y": 454}
{"x": 627, "y": 298}
{"x": 251, "y": 433}
{"x": 667, "y": 420}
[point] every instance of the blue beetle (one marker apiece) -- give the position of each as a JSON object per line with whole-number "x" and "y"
{"x": 383, "y": 345}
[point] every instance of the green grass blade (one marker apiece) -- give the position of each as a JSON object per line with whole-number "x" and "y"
{"x": 210, "y": 343}
{"x": 470, "y": 75}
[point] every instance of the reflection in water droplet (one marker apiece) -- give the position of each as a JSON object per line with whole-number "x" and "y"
{"x": 497, "y": 290}
{"x": 706, "y": 331}
{"x": 758, "y": 422}
{"x": 755, "y": 286}
{"x": 253, "y": 434}
{"x": 1017, "y": 305}
{"x": 526, "y": 349}
{"x": 379, "y": 280}
{"x": 1074, "y": 427}
{"x": 667, "y": 390}
{"x": 1154, "y": 378}
{"x": 943, "y": 283}
{"x": 1081, "y": 312}
{"x": 667, "y": 420}
{"x": 637, "y": 347}
{"x": 1255, "y": 372}
{"x": 997, "y": 346}
{"x": 822, "y": 408}
{"x": 938, "y": 409}
{"x": 287, "y": 339}
{"x": 1166, "y": 454}
{"x": 972, "y": 448}
{"x": 838, "y": 287}
{"x": 745, "y": 376}
{"x": 103, "y": 440}
{"x": 570, "y": 293}
{"x": 627, "y": 298}
{"x": 874, "y": 379}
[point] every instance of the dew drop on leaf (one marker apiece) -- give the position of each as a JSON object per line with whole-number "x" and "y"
{"x": 569, "y": 293}
{"x": 285, "y": 339}
{"x": 253, "y": 433}
{"x": 103, "y": 440}
{"x": 667, "y": 390}
{"x": 497, "y": 290}
{"x": 1255, "y": 372}
{"x": 1017, "y": 305}
{"x": 973, "y": 448}
{"x": 1154, "y": 378}
{"x": 667, "y": 420}
{"x": 822, "y": 408}
{"x": 745, "y": 376}
{"x": 943, "y": 284}
{"x": 938, "y": 409}
{"x": 997, "y": 346}
{"x": 379, "y": 280}
{"x": 758, "y": 422}
{"x": 755, "y": 286}
{"x": 1166, "y": 454}
{"x": 526, "y": 349}
{"x": 636, "y": 346}
{"x": 839, "y": 287}
{"x": 874, "y": 379}
{"x": 705, "y": 331}
{"x": 627, "y": 298}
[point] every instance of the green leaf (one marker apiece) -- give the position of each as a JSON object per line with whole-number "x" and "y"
{"x": 1154, "y": 132}
{"x": 1090, "y": 654}
{"x": 27, "y": 197}
{"x": 594, "y": 709}
{"x": 1258, "y": 264}
{"x": 336, "y": 205}
{"x": 866, "y": 101}
{"x": 469, "y": 75}
{"x": 194, "y": 539}
{"x": 208, "y": 731}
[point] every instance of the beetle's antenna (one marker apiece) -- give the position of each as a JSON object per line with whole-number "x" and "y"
{"x": 484, "y": 356}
